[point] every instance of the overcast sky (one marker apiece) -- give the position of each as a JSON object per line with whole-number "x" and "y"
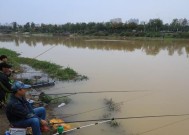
{"x": 63, "y": 11}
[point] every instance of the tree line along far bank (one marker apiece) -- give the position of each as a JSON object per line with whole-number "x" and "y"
{"x": 154, "y": 28}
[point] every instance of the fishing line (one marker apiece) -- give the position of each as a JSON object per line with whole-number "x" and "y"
{"x": 100, "y": 108}
{"x": 163, "y": 126}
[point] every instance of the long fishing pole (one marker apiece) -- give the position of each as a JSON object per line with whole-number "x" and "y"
{"x": 106, "y": 121}
{"x": 89, "y": 92}
{"x": 127, "y": 118}
{"x": 96, "y": 92}
{"x": 89, "y": 125}
{"x": 44, "y": 52}
{"x": 92, "y": 92}
{"x": 61, "y": 97}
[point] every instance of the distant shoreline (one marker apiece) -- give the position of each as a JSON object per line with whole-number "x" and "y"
{"x": 90, "y": 38}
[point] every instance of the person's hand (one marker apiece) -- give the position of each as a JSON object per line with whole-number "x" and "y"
{"x": 44, "y": 126}
{"x": 43, "y": 122}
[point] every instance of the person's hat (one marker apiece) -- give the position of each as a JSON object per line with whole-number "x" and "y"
{"x": 5, "y": 65}
{"x": 20, "y": 85}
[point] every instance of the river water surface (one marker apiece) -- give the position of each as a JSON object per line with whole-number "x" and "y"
{"x": 159, "y": 66}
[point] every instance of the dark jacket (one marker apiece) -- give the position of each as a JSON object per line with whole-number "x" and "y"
{"x": 18, "y": 109}
{"x": 5, "y": 86}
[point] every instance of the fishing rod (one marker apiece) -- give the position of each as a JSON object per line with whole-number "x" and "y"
{"x": 96, "y": 92}
{"x": 61, "y": 97}
{"x": 127, "y": 118}
{"x": 44, "y": 52}
{"x": 102, "y": 121}
{"x": 88, "y": 92}
{"x": 61, "y": 131}
{"x": 71, "y": 94}
{"x": 32, "y": 72}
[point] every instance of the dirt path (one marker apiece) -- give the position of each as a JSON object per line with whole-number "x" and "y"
{"x": 4, "y": 124}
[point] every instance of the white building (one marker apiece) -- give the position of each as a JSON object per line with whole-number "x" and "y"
{"x": 181, "y": 21}
{"x": 37, "y": 25}
{"x": 8, "y": 24}
{"x": 116, "y": 20}
{"x": 136, "y": 21}
{"x": 142, "y": 23}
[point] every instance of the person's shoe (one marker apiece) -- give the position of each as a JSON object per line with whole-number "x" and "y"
{"x": 44, "y": 128}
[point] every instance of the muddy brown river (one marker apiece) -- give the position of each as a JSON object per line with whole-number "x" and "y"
{"x": 161, "y": 67}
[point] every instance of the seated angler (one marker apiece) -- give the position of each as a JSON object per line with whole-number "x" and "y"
{"x": 20, "y": 113}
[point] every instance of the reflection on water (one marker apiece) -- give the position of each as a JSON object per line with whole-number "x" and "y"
{"x": 119, "y": 65}
{"x": 150, "y": 47}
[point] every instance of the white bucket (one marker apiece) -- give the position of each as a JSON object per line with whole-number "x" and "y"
{"x": 17, "y": 131}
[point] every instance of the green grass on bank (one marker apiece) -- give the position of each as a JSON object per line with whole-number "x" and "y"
{"x": 53, "y": 70}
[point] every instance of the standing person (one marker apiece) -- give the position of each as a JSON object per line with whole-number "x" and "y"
{"x": 5, "y": 85}
{"x": 20, "y": 113}
{"x": 3, "y": 58}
